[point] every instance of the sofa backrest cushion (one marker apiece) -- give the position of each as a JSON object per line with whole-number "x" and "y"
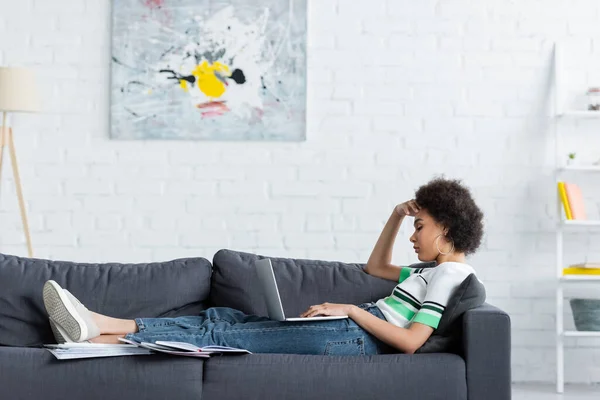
{"x": 158, "y": 289}
{"x": 301, "y": 283}
{"x": 447, "y": 337}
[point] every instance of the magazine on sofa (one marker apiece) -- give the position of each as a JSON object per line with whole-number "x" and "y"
{"x": 185, "y": 349}
{"x": 69, "y": 351}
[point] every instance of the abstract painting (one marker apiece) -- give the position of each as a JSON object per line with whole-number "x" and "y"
{"x": 208, "y": 70}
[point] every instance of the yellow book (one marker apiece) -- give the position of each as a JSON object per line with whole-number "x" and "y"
{"x": 581, "y": 271}
{"x": 564, "y": 200}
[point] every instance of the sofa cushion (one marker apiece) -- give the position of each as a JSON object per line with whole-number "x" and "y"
{"x": 159, "y": 289}
{"x": 446, "y": 338}
{"x": 308, "y": 377}
{"x": 31, "y": 373}
{"x": 301, "y": 283}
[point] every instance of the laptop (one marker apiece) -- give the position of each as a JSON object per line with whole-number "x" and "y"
{"x": 266, "y": 277}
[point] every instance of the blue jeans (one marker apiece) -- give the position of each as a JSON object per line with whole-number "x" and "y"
{"x": 224, "y": 326}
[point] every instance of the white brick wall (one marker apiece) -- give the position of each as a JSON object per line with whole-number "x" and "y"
{"x": 399, "y": 90}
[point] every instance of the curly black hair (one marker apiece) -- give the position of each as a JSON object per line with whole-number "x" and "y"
{"x": 451, "y": 204}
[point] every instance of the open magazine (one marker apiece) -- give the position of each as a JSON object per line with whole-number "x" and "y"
{"x": 185, "y": 349}
{"x": 69, "y": 351}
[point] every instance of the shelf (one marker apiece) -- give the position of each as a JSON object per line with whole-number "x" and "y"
{"x": 583, "y": 167}
{"x": 579, "y": 278}
{"x": 582, "y": 333}
{"x": 580, "y": 223}
{"x": 580, "y": 114}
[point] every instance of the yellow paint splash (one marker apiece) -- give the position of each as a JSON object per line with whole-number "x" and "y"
{"x": 208, "y": 82}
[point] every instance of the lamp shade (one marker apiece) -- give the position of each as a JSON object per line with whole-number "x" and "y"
{"x": 18, "y": 90}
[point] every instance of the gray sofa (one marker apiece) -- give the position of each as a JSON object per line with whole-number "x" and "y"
{"x": 479, "y": 370}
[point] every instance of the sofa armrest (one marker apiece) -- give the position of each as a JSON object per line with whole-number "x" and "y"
{"x": 487, "y": 353}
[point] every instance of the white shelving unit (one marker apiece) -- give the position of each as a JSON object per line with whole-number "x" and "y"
{"x": 565, "y": 226}
{"x": 579, "y": 114}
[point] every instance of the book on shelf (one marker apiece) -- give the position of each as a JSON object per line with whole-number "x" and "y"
{"x": 575, "y": 198}
{"x": 586, "y": 264}
{"x": 581, "y": 271}
{"x": 563, "y": 200}
{"x": 583, "y": 268}
{"x": 571, "y": 198}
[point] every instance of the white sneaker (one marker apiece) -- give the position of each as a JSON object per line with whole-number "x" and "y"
{"x": 59, "y": 334}
{"x": 72, "y": 319}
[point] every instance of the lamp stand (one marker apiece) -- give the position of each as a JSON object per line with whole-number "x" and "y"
{"x": 6, "y": 139}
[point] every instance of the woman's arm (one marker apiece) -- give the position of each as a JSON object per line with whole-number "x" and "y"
{"x": 379, "y": 263}
{"x": 406, "y": 340}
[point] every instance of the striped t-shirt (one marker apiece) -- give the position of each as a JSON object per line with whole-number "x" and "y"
{"x": 423, "y": 293}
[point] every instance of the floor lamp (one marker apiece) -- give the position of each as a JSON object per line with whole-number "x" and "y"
{"x": 18, "y": 93}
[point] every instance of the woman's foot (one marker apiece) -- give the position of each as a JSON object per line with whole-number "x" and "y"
{"x": 71, "y": 318}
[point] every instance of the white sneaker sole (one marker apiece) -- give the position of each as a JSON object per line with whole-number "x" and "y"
{"x": 59, "y": 334}
{"x": 63, "y": 313}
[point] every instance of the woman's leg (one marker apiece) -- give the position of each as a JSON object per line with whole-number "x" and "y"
{"x": 112, "y": 329}
{"x": 72, "y": 320}
{"x": 224, "y": 326}
{"x": 210, "y": 315}
{"x": 336, "y": 337}
{"x": 107, "y": 339}
{"x": 215, "y": 326}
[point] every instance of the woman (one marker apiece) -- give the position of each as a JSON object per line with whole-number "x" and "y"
{"x": 448, "y": 226}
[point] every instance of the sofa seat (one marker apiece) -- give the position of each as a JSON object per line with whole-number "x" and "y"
{"x": 292, "y": 376}
{"x": 34, "y": 373}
